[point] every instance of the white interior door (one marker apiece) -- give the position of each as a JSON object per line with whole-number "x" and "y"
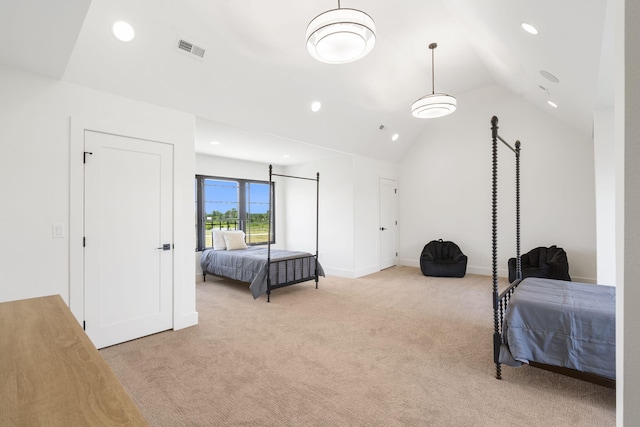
{"x": 128, "y": 275}
{"x": 388, "y": 223}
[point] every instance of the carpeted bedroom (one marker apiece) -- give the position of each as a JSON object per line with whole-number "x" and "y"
{"x": 392, "y": 348}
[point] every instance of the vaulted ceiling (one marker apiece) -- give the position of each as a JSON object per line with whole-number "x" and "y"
{"x": 253, "y": 89}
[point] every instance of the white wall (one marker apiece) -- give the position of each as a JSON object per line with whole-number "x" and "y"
{"x": 37, "y": 182}
{"x": 605, "y": 157}
{"x": 336, "y": 225}
{"x": 366, "y": 199}
{"x": 233, "y": 168}
{"x": 446, "y": 185}
{"x": 349, "y": 212}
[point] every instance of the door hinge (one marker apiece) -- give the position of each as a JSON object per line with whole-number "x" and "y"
{"x": 84, "y": 242}
{"x": 84, "y": 325}
{"x": 84, "y": 156}
{"x": 395, "y": 190}
{"x": 396, "y": 253}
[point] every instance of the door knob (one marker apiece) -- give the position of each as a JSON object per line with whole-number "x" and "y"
{"x": 165, "y": 247}
{"x": 382, "y": 228}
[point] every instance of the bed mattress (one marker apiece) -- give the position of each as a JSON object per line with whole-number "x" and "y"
{"x": 561, "y": 323}
{"x": 250, "y": 265}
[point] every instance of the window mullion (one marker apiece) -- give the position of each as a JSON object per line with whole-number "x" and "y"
{"x": 200, "y": 213}
{"x": 242, "y": 209}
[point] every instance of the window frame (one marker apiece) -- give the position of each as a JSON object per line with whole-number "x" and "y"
{"x": 241, "y": 224}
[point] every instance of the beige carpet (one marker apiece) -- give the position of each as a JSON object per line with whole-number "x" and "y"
{"x": 391, "y": 349}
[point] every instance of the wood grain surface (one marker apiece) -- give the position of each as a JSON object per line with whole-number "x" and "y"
{"x": 52, "y": 375}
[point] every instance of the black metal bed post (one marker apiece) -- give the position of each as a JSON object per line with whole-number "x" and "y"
{"x": 269, "y": 235}
{"x": 518, "y": 261}
{"x": 317, "y": 221}
{"x": 494, "y": 244}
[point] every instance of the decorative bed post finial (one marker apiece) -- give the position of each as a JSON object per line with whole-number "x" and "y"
{"x": 494, "y": 127}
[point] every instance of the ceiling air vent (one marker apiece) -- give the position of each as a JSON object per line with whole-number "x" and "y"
{"x": 190, "y": 48}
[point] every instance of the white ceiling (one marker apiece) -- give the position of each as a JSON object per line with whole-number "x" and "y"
{"x": 253, "y": 89}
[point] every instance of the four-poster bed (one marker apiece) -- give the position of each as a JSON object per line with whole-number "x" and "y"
{"x": 266, "y": 268}
{"x": 562, "y": 326}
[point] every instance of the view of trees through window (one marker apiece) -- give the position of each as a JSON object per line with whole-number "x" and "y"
{"x": 231, "y": 204}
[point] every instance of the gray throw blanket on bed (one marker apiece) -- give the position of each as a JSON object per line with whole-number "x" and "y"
{"x": 562, "y": 323}
{"x": 250, "y": 265}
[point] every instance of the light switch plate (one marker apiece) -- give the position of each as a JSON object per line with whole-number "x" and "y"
{"x": 58, "y": 231}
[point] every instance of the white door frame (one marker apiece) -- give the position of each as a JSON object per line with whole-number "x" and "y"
{"x": 78, "y": 125}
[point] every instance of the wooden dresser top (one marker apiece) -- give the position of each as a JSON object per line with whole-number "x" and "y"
{"x": 51, "y": 374}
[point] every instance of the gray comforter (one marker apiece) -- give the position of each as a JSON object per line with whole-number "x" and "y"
{"x": 560, "y": 323}
{"x": 250, "y": 265}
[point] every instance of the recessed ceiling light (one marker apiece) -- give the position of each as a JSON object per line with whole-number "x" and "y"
{"x": 214, "y": 142}
{"x": 316, "y": 106}
{"x": 123, "y": 31}
{"x": 553, "y": 104}
{"x": 286, "y": 156}
{"x": 529, "y": 28}
{"x": 547, "y": 75}
{"x": 395, "y": 137}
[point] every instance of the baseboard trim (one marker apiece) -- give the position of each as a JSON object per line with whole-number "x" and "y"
{"x": 482, "y": 271}
{"x": 330, "y": 271}
{"x": 366, "y": 271}
{"x": 354, "y": 274}
{"x": 409, "y": 262}
{"x": 185, "y": 320}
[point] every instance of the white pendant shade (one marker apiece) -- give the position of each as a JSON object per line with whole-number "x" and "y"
{"x": 339, "y": 36}
{"x": 434, "y": 105}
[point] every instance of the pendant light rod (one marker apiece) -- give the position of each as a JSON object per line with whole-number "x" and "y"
{"x": 432, "y": 46}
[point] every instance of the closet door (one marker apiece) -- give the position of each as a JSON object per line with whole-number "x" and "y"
{"x": 388, "y": 223}
{"x": 128, "y": 256}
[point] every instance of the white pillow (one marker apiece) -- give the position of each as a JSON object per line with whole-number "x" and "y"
{"x": 234, "y": 240}
{"x": 219, "y": 243}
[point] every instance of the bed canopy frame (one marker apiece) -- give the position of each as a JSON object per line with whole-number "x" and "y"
{"x": 500, "y": 300}
{"x": 270, "y": 285}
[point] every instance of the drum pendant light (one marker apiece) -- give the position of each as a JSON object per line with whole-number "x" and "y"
{"x": 435, "y": 104}
{"x": 339, "y": 36}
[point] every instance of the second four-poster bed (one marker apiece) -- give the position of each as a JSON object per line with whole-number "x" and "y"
{"x": 562, "y": 326}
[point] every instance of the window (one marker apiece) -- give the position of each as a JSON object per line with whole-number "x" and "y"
{"x": 232, "y": 204}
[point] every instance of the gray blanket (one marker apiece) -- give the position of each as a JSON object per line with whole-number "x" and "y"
{"x": 250, "y": 265}
{"x": 560, "y": 323}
